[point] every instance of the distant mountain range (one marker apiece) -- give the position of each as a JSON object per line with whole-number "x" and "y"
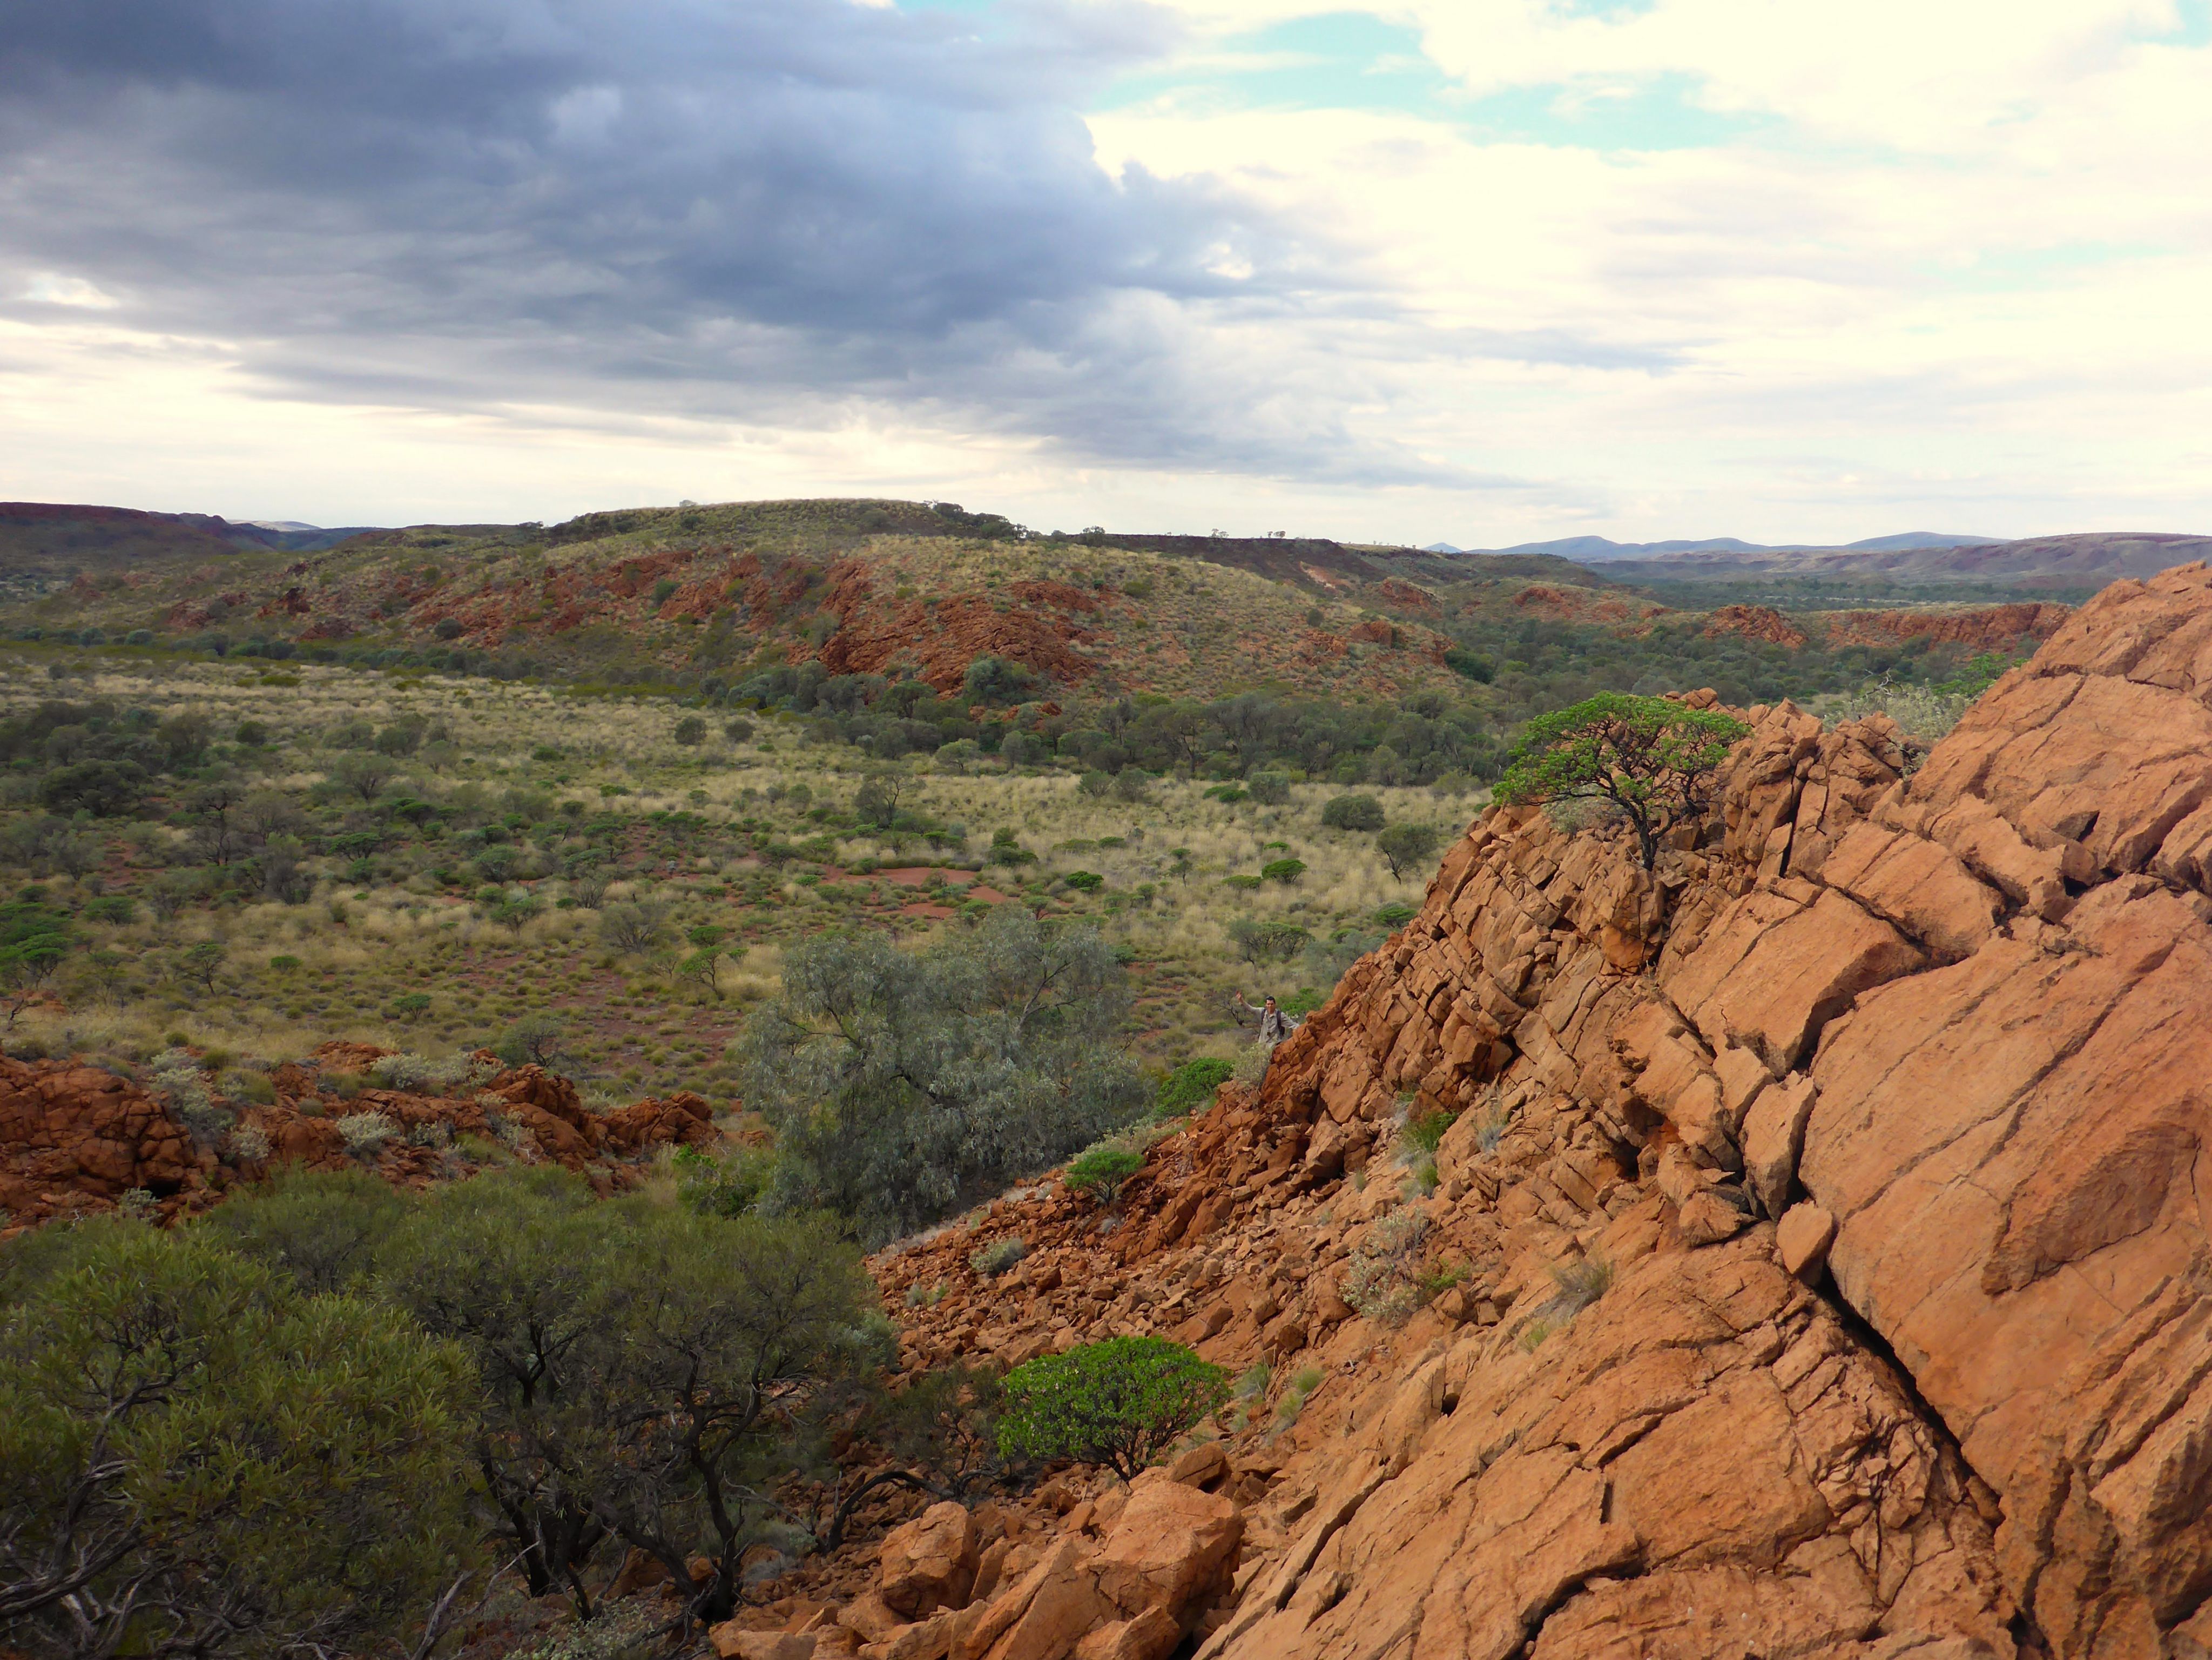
{"x": 1593, "y": 550}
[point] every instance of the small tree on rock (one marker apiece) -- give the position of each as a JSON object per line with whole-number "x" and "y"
{"x": 1653, "y": 759}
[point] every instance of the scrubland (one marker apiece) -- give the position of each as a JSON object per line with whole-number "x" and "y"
{"x": 312, "y": 853}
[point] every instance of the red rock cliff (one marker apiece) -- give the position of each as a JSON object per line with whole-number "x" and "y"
{"x": 1828, "y": 1212}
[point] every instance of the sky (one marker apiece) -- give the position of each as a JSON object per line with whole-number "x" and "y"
{"x": 1479, "y": 270}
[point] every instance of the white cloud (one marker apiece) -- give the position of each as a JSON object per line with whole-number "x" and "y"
{"x": 1948, "y": 273}
{"x": 48, "y": 288}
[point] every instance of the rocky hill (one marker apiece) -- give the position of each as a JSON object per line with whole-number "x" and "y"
{"x": 1815, "y": 1264}
{"x": 692, "y": 595}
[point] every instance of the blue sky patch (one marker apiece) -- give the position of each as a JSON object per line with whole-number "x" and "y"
{"x": 1353, "y": 60}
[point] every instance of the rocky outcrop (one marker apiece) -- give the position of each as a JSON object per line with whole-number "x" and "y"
{"x": 75, "y": 1138}
{"x": 1760, "y": 622}
{"x": 1975, "y": 628}
{"x": 1817, "y": 1262}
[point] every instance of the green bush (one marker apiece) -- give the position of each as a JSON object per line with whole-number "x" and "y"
{"x": 1189, "y": 1088}
{"x": 1651, "y": 759}
{"x": 1085, "y": 881}
{"x": 1285, "y": 870}
{"x": 320, "y": 1228}
{"x": 639, "y": 1363}
{"x": 1353, "y": 812}
{"x": 728, "y": 1186}
{"x": 1120, "y": 1403}
{"x": 229, "y": 1465}
{"x": 1396, "y": 916}
{"x": 1098, "y": 1172}
{"x": 904, "y": 1085}
{"x": 1269, "y": 789}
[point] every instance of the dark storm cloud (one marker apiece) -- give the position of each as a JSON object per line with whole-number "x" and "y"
{"x": 766, "y": 210}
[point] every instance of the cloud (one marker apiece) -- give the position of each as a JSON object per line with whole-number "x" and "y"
{"x": 759, "y": 211}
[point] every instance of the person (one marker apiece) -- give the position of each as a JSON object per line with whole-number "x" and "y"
{"x": 1274, "y": 1025}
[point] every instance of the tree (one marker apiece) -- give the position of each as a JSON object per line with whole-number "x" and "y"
{"x": 1269, "y": 789}
{"x": 903, "y": 1085}
{"x": 704, "y": 968}
{"x": 34, "y": 941}
{"x": 533, "y": 1041}
{"x": 1407, "y": 846}
{"x": 690, "y": 730}
{"x": 105, "y": 789}
{"x": 320, "y": 1228}
{"x": 876, "y": 801}
{"x": 640, "y": 1363}
{"x": 365, "y": 774}
{"x": 634, "y": 927}
{"x": 202, "y": 962}
{"x": 1353, "y": 812}
{"x": 1120, "y": 1403}
{"x": 1652, "y": 758}
{"x": 197, "y": 1459}
{"x": 1276, "y": 939}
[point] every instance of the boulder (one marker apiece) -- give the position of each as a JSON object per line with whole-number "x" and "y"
{"x": 930, "y": 1562}
{"x": 1171, "y": 1548}
{"x": 1803, "y": 1238}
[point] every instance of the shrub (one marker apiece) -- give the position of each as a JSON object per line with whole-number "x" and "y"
{"x": 318, "y": 1228}
{"x": 1270, "y": 789}
{"x": 1461, "y": 661}
{"x": 1097, "y": 1173}
{"x": 363, "y": 1132}
{"x": 1285, "y": 871}
{"x": 1384, "y": 1278}
{"x": 1274, "y": 939}
{"x": 728, "y": 1186}
{"x": 1251, "y": 1067}
{"x": 119, "y": 907}
{"x": 994, "y": 1259}
{"x": 1189, "y": 1088}
{"x": 1580, "y": 1284}
{"x": 231, "y": 1467}
{"x": 903, "y": 1085}
{"x": 634, "y": 927}
{"x": 1396, "y": 915}
{"x": 1096, "y": 784}
{"x": 1121, "y": 1403}
{"x": 1353, "y": 812}
{"x": 1083, "y": 881}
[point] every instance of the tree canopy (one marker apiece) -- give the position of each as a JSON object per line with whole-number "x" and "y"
{"x": 1650, "y": 758}
{"x": 902, "y": 1084}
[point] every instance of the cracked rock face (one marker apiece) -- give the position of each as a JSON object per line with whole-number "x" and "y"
{"x": 1817, "y": 1265}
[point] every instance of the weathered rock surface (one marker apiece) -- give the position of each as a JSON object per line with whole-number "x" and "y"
{"x": 1944, "y": 1027}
